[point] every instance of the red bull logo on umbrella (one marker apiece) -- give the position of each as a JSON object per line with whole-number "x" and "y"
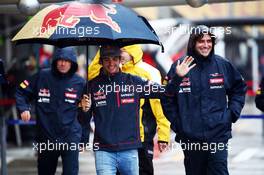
{"x": 69, "y": 16}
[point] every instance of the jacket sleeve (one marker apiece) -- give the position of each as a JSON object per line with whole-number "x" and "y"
{"x": 172, "y": 81}
{"x": 169, "y": 106}
{"x": 259, "y": 100}
{"x": 151, "y": 89}
{"x": 162, "y": 92}
{"x": 94, "y": 67}
{"x": 147, "y": 89}
{"x": 163, "y": 125}
{"x": 236, "y": 92}
{"x": 84, "y": 119}
{"x": 169, "y": 101}
{"x": 25, "y": 92}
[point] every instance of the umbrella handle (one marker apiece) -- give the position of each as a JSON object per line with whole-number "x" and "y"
{"x": 87, "y": 65}
{"x": 162, "y": 47}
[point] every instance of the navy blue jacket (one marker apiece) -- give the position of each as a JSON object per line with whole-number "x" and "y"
{"x": 56, "y": 97}
{"x": 206, "y": 101}
{"x": 116, "y": 113}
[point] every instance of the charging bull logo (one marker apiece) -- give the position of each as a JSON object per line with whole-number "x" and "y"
{"x": 69, "y": 16}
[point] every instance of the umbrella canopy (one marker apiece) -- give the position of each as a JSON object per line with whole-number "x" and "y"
{"x": 79, "y": 23}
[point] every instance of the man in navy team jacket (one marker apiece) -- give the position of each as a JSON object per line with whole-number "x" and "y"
{"x": 203, "y": 105}
{"x": 115, "y": 106}
{"x": 56, "y": 93}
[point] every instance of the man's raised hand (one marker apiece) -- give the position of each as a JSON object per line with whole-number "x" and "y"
{"x": 185, "y": 66}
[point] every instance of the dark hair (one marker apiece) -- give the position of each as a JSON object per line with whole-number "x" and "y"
{"x": 197, "y": 33}
{"x": 109, "y": 51}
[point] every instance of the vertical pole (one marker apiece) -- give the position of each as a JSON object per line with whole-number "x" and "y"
{"x": 17, "y": 127}
{"x": 3, "y": 140}
{"x": 87, "y": 67}
{"x": 8, "y": 47}
{"x": 2, "y": 123}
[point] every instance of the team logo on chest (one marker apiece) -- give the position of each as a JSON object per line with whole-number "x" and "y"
{"x": 216, "y": 81}
{"x": 99, "y": 98}
{"x": 44, "y": 95}
{"x": 185, "y": 85}
{"x": 44, "y": 92}
{"x": 70, "y": 95}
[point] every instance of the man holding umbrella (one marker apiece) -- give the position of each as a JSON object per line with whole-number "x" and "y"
{"x": 152, "y": 119}
{"x": 57, "y": 93}
{"x": 115, "y": 106}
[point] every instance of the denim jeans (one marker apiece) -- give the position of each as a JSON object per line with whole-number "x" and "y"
{"x": 126, "y": 162}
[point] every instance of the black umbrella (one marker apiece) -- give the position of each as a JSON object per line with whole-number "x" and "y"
{"x": 79, "y": 23}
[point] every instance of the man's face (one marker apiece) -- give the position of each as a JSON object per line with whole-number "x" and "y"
{"x": 204, "y": 45}
{"x": 125, "y": 57}
{"x": 63, "y": 66}
{"x": 111, "y": 64}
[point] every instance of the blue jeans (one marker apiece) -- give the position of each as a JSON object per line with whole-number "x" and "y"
{"x": 126, "y": 162}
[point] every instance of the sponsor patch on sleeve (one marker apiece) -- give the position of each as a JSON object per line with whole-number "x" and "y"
{"x": 24, "y": 84}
